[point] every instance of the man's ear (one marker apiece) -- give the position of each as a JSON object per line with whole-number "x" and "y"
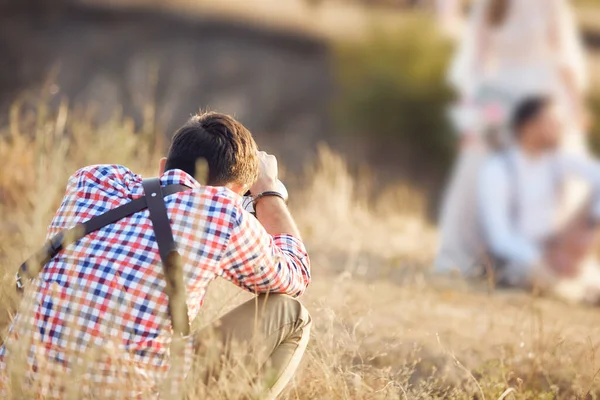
{"x": 161, "y": 166}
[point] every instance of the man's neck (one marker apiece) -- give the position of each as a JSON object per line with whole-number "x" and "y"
{"x": 530, "y": 150}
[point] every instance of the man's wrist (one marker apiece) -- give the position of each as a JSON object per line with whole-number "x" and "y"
{"x": 264, "y": 187}
{"x": 267, "y": 194}
{"x": 267, "y": 205}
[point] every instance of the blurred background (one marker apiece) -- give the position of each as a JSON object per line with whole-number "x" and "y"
{"x": 353, "y": 97}
{"x": 365, "y": 76}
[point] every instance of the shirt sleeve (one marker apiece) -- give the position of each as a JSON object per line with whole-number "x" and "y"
{"x": 261, "y": 263}
{"x": 495, "y": 207}
{"x": 588, "y": 169}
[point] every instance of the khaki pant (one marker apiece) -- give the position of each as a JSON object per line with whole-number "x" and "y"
{"x": 259, "y": 343}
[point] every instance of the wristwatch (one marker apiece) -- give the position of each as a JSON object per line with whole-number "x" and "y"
{"x": 249, "y": 199}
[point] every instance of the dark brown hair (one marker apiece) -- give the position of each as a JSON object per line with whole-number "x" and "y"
{"x": 527, "y": 111}
{"x": 497, "y": 11}
{"x": 225, "y": 144}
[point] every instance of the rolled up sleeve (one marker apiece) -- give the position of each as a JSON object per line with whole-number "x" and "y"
{"x": 588, "y": 169}
{"x": 261, "y": 263}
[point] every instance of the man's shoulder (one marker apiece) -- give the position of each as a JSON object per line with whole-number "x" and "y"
{"x": 216, "y": 199}
{"x": 496, "y": 163}
{"x": 217, "y": 203}
{"x": 220, "y": 194}
{"x": 495, "y": 169}
{"x": 105, "y": 176}
{"x": 103, "y": 170}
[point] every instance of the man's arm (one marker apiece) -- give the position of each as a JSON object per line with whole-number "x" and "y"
{"x": 273, "y": 214}
{"x": 265, "y": 254}
{"x": 272, "y": 211}
{"x": 495, "y": 208}
{"x": 587, "y": 168}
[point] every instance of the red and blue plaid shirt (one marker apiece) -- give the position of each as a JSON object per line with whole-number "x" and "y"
{"x": 109, "y": 286}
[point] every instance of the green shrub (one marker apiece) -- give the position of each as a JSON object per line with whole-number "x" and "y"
{"x": 594, "y": 133}
{"x": 393, "y": 96}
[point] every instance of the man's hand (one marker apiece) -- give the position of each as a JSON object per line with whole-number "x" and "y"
{"x": 267, "y": 174}
{"x": 271, "y": 211}
{"x": 566, "y": 251}
{"x": 561, "y": 262}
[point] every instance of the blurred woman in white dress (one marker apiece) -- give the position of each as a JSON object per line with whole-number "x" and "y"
{"x": 510, "y": 49}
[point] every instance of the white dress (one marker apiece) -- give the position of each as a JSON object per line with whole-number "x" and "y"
{"x": 524, "y": 56}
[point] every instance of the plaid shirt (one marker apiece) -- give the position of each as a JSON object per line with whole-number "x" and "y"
{"x": 108, "y": 288}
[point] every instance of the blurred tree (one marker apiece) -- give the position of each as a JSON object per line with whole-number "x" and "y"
{"x": 594, "y": 132}
{"x": 33, "y": 6}
{"x": 386, "y": 3}
{"x": 393, "y": 97}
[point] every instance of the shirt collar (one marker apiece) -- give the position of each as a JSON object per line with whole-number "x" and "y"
{"x": 179, "y": 177}
{"x": 523, "y": 158}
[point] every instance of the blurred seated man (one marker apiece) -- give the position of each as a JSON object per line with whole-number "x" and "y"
{"x": 519, "y": 201}
{"x": 98, "y": 321}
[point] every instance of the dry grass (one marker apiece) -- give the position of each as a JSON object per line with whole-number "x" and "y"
{"x": 383, "y": 328}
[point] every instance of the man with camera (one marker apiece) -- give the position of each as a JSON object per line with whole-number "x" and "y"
{"x": 112, "y": 298}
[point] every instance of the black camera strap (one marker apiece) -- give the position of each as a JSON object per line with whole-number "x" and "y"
{"x": 170, "y": 257}
{"x": 153, "y": 199}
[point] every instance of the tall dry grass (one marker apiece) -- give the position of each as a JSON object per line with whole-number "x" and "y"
{"x": 383, "y": 329}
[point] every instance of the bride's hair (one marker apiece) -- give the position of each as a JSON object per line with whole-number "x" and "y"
{"x": 497, "y": 11}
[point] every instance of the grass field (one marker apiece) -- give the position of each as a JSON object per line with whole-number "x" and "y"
{"x": 384, "y": 328}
